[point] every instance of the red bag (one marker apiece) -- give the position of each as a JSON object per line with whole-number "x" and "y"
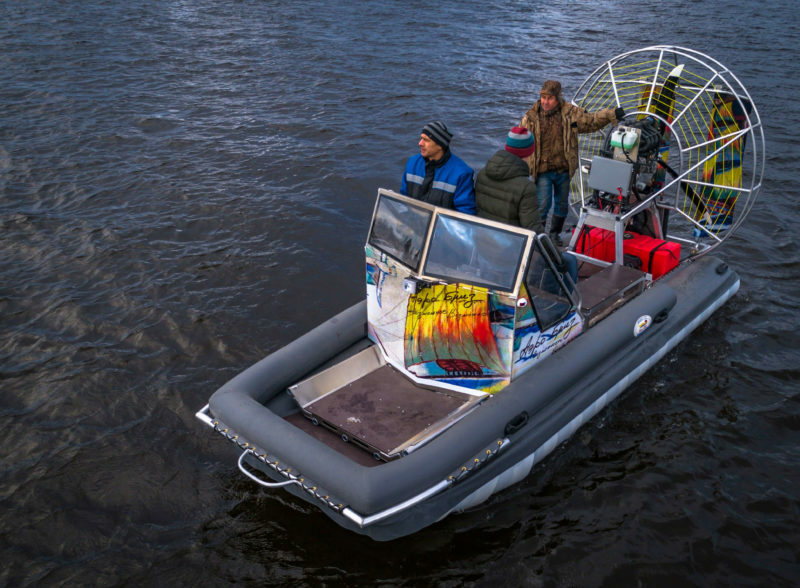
{"x": 596, "y": 242}
{"x": 658, "y": 256}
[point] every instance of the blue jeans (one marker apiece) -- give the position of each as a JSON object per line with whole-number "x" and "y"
{"x": 552, "y": 186}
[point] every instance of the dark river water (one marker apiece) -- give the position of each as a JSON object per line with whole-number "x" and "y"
{"x": 186, "y": 186}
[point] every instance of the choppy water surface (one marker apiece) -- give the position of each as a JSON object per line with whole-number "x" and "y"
{"x": 186, "y": 186}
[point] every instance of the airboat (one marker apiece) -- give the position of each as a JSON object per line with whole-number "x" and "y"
{"x": 476, "y": 351}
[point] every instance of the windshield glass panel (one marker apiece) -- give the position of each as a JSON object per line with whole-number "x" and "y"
{"x": 466, "y": 251}
{"x": 399, "y": 230}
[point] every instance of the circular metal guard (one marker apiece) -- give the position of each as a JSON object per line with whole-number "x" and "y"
{"x": 705, "y": 173}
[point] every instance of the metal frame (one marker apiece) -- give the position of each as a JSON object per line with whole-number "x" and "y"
{"x": 437, "y": 212}
{"x": 701, "y": 78}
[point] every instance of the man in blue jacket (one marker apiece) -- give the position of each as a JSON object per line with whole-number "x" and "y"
{"x": 437, "y": 176}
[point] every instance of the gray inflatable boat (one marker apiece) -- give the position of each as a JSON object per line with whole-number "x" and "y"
{"x": 480, "y": 346}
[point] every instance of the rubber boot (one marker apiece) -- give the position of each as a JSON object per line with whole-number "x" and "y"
{"x": 556, "y": 225}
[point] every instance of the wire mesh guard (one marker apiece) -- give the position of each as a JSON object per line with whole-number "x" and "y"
{"x": 700, "y": 152}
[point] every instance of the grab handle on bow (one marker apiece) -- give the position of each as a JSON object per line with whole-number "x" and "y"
{"x": 258, "y": 480}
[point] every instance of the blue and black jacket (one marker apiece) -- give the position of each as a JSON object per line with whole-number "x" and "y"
{"x": 446, "y": 182}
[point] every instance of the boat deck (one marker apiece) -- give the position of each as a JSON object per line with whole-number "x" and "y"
{"x": 605, "y": 289}
{"x": 387, "y": 414}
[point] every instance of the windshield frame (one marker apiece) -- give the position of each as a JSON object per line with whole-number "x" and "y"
{"x": 440, "y": 218}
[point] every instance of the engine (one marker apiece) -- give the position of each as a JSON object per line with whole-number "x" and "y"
{"x": 645, "y": 158}
{"x": 627, "y": 167}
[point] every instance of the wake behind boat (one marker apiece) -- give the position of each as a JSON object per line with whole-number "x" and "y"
{"x": 476, "y": 352}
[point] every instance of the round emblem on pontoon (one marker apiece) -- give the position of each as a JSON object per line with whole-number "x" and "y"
{"x": 641, "y": 324}
{"x": 522, "y": 302}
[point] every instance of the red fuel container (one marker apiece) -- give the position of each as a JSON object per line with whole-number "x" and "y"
{"x": 657, "y": 256}
{"x": 596, "y": 242}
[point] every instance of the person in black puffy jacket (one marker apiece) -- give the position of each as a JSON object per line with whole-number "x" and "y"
{"x": 504, "y": 191}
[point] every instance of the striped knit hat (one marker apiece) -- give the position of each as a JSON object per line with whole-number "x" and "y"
{"x": 520, "y": 142}
{"x": 438, "y": 132}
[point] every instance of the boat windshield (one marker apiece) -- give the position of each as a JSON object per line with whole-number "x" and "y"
{"x": 468, "y": 251}
{"x": 444, "y": 245}
{"x": 399, "y": 229}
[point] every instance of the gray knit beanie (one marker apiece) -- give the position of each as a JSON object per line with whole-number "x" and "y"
{"x": 438, "y": 132}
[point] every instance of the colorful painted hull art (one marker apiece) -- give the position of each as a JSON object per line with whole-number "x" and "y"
{"x": 448, "y": 326}
{"x": 456, "y": 334}
{"x": 532, "y": 345}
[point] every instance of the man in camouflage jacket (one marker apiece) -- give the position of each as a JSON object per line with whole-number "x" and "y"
{"x": 555, "y": 125}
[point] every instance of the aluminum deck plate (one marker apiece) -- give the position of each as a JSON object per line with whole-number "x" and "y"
{"x": 386, "y": 413}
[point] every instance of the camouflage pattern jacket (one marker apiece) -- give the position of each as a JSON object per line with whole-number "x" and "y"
{"x": 574, "y": 120}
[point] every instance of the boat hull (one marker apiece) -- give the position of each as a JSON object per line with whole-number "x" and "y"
{"x": 492, "y": 447}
